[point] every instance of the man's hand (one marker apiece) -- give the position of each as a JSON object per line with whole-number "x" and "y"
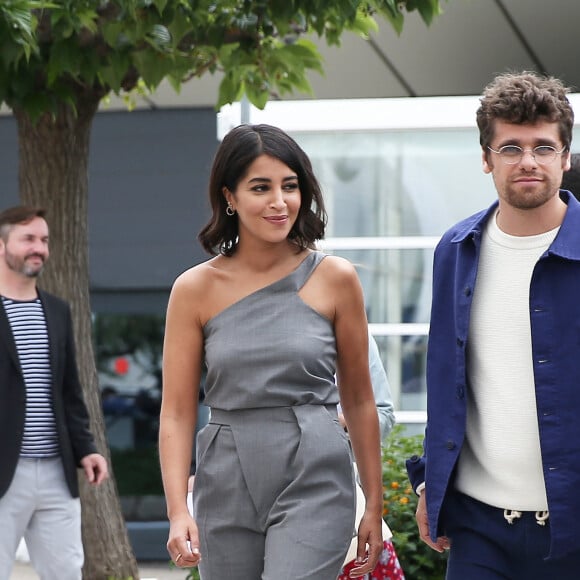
{"x": 442, "y": 542}
{"x": 95, "y": 468}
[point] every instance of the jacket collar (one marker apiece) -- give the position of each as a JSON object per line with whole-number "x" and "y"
{"x": 567, "y": 242}
{"x": 6, "y": 336}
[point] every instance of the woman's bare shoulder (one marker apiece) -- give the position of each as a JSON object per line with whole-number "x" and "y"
{"x": 197, "y": 281}
{"x": 338, "y": 269}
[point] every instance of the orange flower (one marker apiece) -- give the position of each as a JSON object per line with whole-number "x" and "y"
{"x": 404, "y": 500}
{"x": 395, "y": 485}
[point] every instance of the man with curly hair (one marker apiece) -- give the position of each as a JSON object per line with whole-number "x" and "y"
{"x": 499, "y": 479}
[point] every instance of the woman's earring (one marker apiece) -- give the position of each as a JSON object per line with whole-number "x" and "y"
{"x": 230, "y": 210}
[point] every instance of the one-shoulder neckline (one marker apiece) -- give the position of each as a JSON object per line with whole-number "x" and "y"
{"x": 311, "y": 256}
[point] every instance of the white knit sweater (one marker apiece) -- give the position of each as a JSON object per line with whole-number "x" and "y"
{"x": 500, "y": 463}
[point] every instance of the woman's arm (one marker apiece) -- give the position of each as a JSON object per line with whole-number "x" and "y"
{"x": 182, "y": 360}
{"x": 358, "y": 403}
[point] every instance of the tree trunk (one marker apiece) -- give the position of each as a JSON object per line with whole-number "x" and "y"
{"x": 53, "y": 174}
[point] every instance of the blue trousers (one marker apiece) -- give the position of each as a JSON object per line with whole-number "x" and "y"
{"x": 484, "y": 546}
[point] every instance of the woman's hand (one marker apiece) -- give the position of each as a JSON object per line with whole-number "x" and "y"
{"x": 183, "y": 543}
{"x": 370, "y": 544}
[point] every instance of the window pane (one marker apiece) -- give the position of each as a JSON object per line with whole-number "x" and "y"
{"x": 128, "y": 355}
{"x": 404, "y": 360}
{"x": 398, "y": 183}
{"x": 396, "y": 283}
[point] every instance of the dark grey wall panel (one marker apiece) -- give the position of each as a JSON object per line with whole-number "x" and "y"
{"x": 148, "y": 179}
{"x": 8, "y": 162}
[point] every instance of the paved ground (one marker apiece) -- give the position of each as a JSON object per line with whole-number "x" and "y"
{"x": 147, "y": 571}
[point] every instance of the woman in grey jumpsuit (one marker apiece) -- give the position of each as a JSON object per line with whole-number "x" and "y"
{"x": 274, "y": 321}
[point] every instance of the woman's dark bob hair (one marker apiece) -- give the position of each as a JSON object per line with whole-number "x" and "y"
{"x": 238, "y": 150}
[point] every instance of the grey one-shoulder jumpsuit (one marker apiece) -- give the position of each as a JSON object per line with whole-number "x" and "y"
{"x": 274, "y": 493}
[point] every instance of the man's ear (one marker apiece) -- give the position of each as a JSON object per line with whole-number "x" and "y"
{"x": 567, "y": 161}
{"x": 485, "y": 161}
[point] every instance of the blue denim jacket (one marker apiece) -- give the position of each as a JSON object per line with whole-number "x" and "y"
{"x": 555, "y": 329}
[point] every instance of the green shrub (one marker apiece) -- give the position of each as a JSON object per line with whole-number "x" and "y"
{"x": 419, "y": 561}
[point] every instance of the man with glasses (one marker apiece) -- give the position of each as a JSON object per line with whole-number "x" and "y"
{"x": 499, "y": 481}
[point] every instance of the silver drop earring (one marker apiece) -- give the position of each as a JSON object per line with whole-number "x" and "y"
{"x": 230, "y": 210}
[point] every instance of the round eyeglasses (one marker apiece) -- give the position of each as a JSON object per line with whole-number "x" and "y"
{"x": 543, "y": 154}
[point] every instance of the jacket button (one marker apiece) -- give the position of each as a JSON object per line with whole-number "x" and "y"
{"x": 414, "y": 459}
{"x": 460, "y": 342}
{"x": 450, "y": 444}
{"x": 467, "y": 291}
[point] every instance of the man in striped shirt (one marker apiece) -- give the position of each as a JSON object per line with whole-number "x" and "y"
{"x": 44, "y": 423}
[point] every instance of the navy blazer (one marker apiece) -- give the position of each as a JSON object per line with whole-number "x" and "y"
{"x": 72, "y": 419}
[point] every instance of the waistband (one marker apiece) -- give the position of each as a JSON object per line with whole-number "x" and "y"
{"x": 510, "y": 515}
{"x": 290, "y": 413}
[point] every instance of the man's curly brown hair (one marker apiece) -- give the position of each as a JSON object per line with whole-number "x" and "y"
{"x": 525, "y": 98}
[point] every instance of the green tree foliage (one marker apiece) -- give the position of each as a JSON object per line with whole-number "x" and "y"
{"x": 59, "y": 58}
{"x": 49, "y": 50}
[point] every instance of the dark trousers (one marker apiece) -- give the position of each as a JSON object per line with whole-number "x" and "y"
{"x": 484, "y": 546}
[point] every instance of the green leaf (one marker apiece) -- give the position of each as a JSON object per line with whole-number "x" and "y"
{"x": 113, "y": 75}
{"x": 396, "y": 21}
{"x": 152, "y": 66}
{"x": 364, "y": 24}
{"x": 175, "y": 83}
{"x": 178, "y": 29}
{"x": 230, "y": 89}
{"x": 111, "y": 32}
{"x": 305, "y": 52}
{"x": 257, "y": 94}
{"x": 65, "y": 58}
{"x": 429, "y": 10}
{"x": 160, "y": 5}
